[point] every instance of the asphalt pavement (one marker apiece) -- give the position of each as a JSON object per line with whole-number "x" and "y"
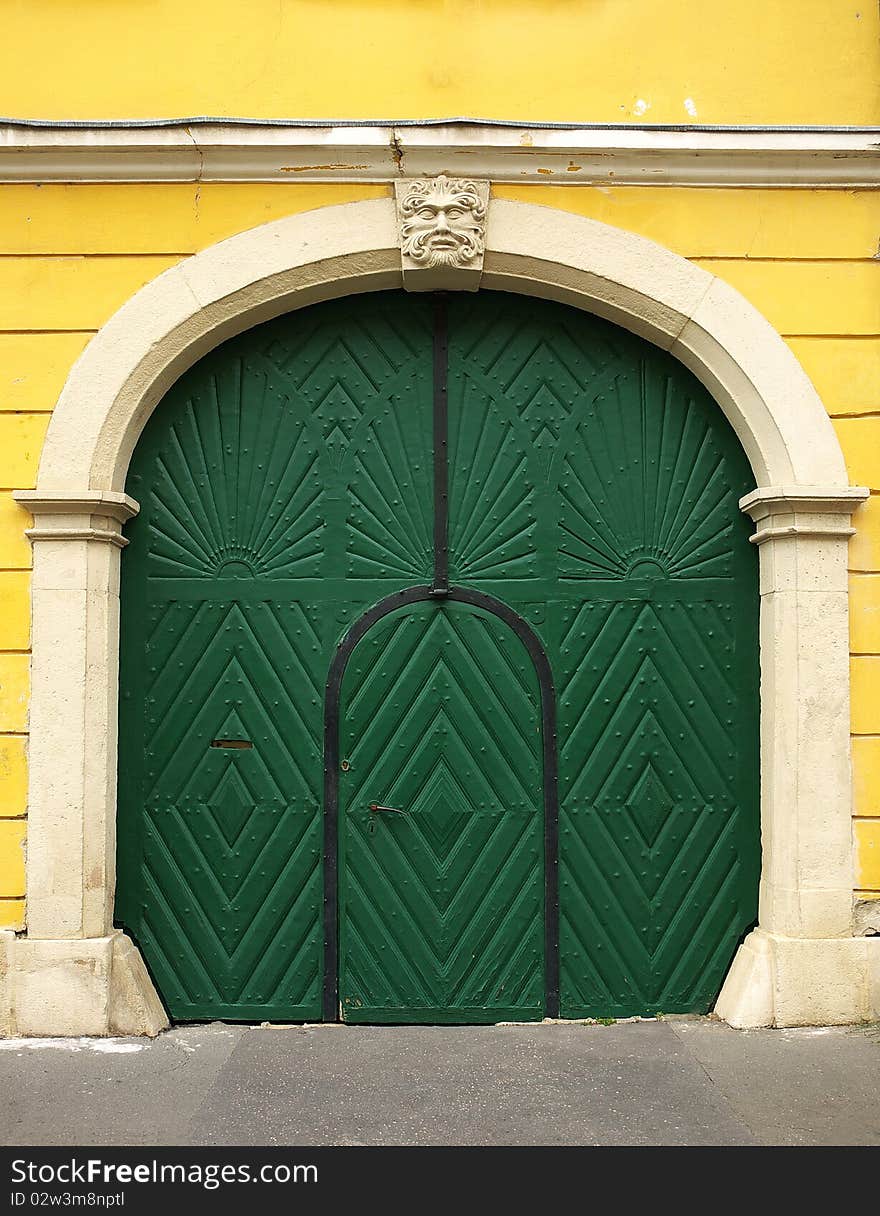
{"x": 666, "y": 1082}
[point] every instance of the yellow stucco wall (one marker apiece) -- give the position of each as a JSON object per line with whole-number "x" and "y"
{"x": 70, "y": 255}
{"x": 742, "y": 61}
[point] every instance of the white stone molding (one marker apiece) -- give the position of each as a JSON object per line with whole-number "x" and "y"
{"x": 803, "y": 965}
{"x": 169, "y": 324}
{"x": 89, "y": 986}
{"x": 75, "y": 629}
{"x": 442, "y": 225}
{"x": 613, "y": 155}
{"x": 801, "y": 509}
{"x": 73, "y": 973}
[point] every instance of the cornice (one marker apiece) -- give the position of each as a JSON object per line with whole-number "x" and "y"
{"x": 239, "y": 150}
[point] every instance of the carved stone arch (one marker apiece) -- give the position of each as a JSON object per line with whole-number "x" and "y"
{"x": 73, "y": 973}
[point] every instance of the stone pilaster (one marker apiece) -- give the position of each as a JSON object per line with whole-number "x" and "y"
{"x": 802, "y": 964}
{"x": 73, "y": 974}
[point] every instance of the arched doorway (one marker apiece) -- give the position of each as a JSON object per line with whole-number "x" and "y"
{"x": 487, "y": 446}
{"x": 447, "y": 897}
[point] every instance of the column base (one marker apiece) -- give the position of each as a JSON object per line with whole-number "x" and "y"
{"x": 100, "y": 986}
{"x": 76, "y": 986}
{"x": 787, "y": 981}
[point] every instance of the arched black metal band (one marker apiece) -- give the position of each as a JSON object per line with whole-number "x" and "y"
{"x": 413, "y": 595}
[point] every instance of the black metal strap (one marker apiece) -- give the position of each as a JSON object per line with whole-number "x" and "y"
{"x": 441, "y": 447}
{"x": 538, "y": 655}
{"x": 440, "y": 589}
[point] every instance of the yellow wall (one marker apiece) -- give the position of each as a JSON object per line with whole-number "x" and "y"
{"x": 743, "y": 61}
{"x": 69, "y": 255}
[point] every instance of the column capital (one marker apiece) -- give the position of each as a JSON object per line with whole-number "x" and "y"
{"x": 96, "y": 515}
{"x": 786, "y": 511}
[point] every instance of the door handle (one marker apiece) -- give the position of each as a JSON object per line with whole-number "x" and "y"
{"x": 374, "y": 806}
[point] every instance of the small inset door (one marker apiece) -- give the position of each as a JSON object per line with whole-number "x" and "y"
{"x": 441, "y": 821}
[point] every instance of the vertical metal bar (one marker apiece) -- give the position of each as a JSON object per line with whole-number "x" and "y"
{"x": 441, "y": 447}
{"x": 440, "y": 588}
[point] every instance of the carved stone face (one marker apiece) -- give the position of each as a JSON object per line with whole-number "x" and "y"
{"x": 442, "y": 222}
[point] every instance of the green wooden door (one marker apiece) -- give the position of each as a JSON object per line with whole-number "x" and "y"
{"x": 458, "y": 453}
{"x": 272, "y": 481}
{"x": 594, "y": 486}
{"x": 442, "y": 893}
